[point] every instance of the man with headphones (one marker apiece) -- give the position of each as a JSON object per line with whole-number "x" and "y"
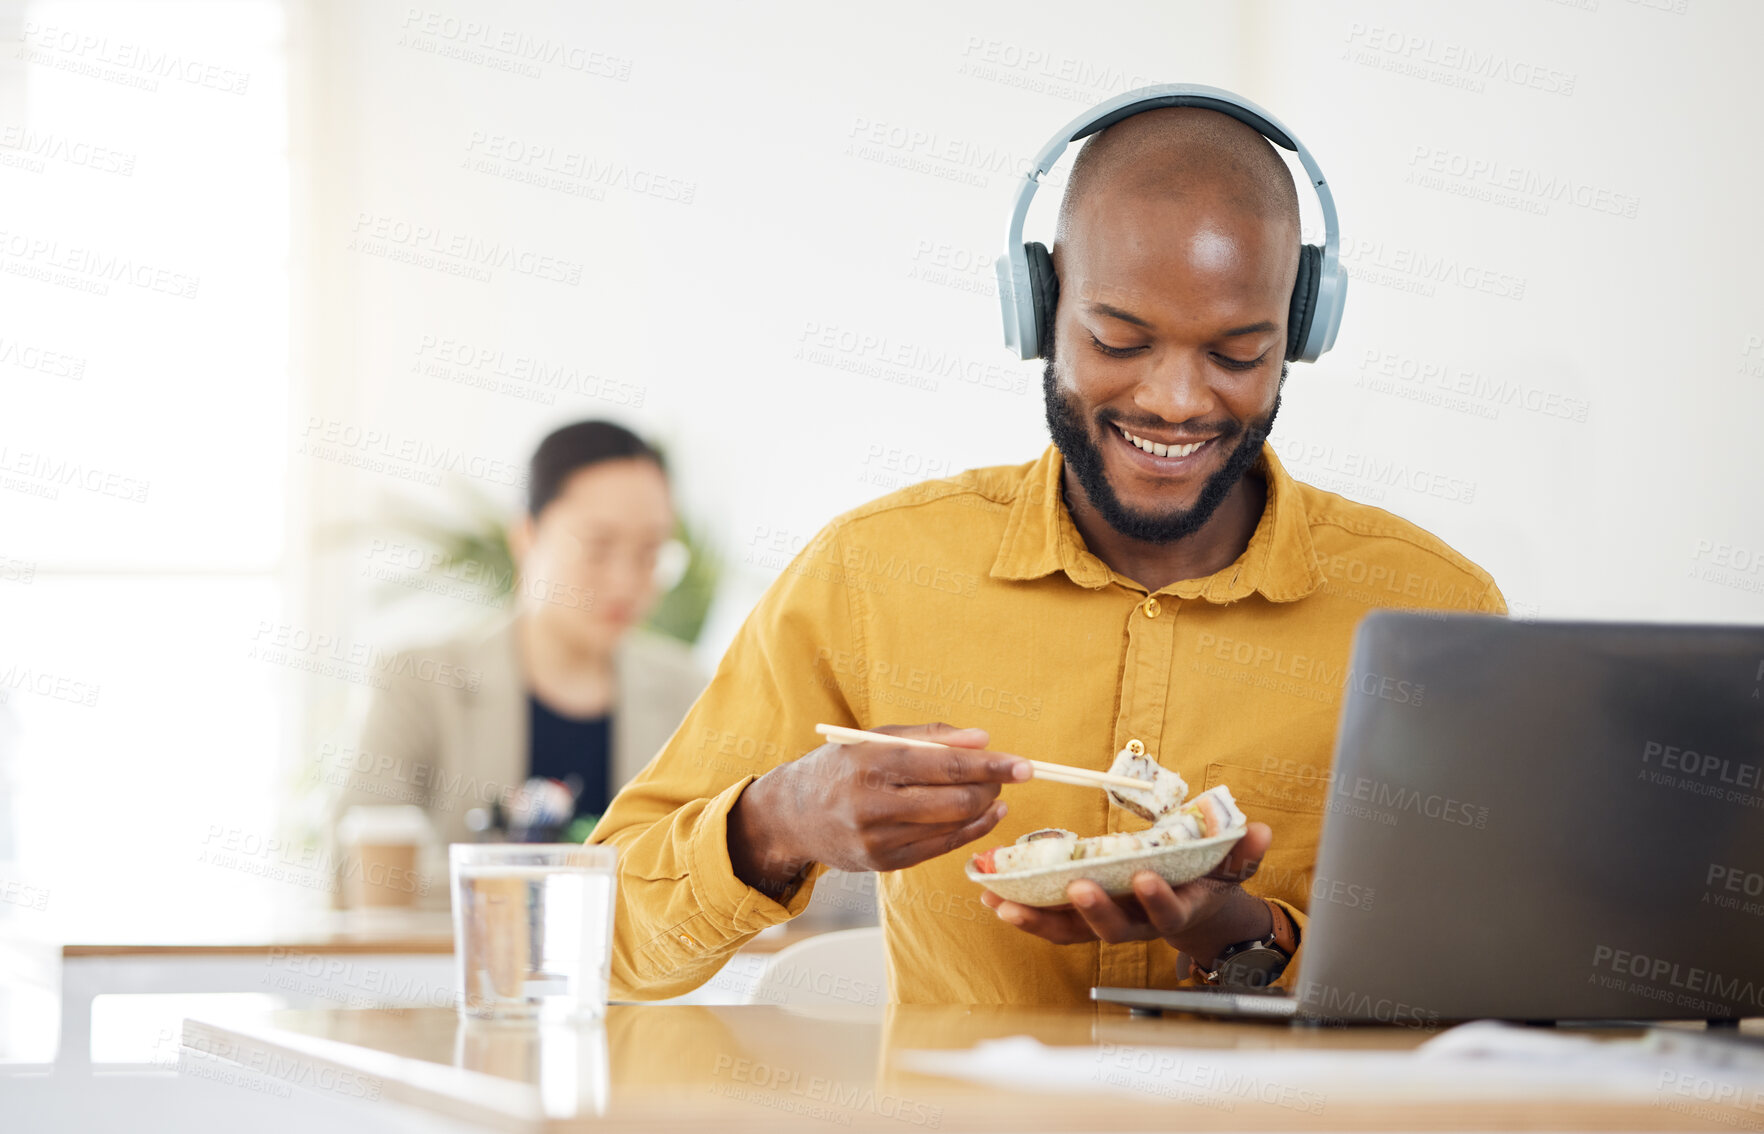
{"x": 1155, "y": 575}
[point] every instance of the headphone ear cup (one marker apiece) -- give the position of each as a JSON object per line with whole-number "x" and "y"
{"x": 1044, "y": 290}
{"x": 1304, "y": 299}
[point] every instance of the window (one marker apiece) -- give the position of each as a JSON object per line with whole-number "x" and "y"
{"x": 144, "y": 394}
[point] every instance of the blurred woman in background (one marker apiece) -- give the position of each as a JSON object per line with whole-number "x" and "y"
{"x": 565, "y": 686}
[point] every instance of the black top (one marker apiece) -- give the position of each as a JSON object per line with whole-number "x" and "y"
{"x": 577, "y": 751}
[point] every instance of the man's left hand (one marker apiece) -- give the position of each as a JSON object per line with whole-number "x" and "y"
{"x": 1200, "y": 918}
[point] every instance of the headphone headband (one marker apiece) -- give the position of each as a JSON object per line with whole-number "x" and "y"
{"x": 1022, "y": 333}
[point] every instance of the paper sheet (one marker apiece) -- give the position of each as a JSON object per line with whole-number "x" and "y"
{"x": 1481, "y": 1060}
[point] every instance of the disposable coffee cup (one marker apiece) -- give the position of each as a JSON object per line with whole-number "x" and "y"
{"x": 382, "y": 846}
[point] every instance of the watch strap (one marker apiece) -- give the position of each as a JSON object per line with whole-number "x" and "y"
{"x": 1282, "y": 936}
{"x": 1286, "y": 934}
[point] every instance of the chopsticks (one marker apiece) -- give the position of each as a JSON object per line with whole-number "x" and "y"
{"x": 1054, "y": 773}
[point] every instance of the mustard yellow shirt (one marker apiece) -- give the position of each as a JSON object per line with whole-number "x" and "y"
{"x": 973, "y": 600}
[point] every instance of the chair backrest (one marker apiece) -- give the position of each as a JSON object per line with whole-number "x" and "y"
{"x": 845, "y": 966}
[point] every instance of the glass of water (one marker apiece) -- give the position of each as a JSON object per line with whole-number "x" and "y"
{"x": 532, "y": 928}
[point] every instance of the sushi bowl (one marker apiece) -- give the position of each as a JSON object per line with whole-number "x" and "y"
{"x": 1175, "y": 863}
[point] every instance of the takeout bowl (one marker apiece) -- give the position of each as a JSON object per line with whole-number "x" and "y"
{"x": 1046, "y": 885}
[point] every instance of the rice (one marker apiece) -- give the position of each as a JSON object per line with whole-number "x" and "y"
{"x": 1047, "y": 847}
{"x": 1215, "y": 811}
{"x": 1164, "y": 791}
{"x": 1108, "y": 846}
{"x": 1176, "y": 827}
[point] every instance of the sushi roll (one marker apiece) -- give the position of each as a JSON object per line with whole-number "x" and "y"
{"x": 1215, "y": 811}
{"x": 1164, "y": 790}
{"x": 1108, "y": 846}
{"x": 1177, "y": 827}
{"x": 1049, "y": 846}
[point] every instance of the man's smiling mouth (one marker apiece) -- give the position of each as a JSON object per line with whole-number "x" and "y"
{"x": 1159, "y": 449}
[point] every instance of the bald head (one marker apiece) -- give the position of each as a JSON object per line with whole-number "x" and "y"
{"x": 1177, "y": 250}
{"x": 1187, "y": 154}
{"x": 1179, "y": 207}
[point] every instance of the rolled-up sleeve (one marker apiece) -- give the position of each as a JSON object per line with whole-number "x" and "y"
{"x": 1288, "y": 978}
{"x": 797, "y": 660}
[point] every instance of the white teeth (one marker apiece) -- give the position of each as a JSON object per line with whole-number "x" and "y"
{"x": 1158, "y": 450}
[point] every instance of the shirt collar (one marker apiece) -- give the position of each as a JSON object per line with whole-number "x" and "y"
{"x": 1280, "y": 561}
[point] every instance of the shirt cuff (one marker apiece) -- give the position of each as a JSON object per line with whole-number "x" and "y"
{"x": 727, "y": 900}
{"x": 1288, "y": 978}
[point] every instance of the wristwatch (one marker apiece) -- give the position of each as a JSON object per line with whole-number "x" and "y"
{"x": 1251, "y": 966}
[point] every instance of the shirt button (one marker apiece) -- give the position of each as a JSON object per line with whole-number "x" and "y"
{"x": 685, "y": 940}
{"x": 1151, "y": 607}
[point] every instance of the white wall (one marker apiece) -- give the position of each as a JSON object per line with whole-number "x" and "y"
{"x": 1626, "y": 334}
{"x": 1650, "y": 320}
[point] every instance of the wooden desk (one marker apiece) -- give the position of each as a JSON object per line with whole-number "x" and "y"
{"x": 315, "y": 957}
{"x": 765, "y": 1068}
{"x": 344, "y": 958}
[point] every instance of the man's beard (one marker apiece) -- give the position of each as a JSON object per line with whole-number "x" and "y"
{"x": 1065, "y": 422}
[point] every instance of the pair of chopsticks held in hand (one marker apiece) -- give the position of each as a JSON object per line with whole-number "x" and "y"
{"x": 1043, "y": 770}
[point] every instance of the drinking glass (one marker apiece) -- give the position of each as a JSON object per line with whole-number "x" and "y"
{"x": 532, "y": 928}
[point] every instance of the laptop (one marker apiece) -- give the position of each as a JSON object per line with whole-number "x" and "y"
{"x": 1568, "y": 824}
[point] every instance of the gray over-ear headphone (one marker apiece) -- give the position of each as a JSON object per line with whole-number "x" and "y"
{"x": 1028, "y": 289}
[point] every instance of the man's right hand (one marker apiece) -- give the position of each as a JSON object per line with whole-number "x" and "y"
{"x": 869, "y": 806}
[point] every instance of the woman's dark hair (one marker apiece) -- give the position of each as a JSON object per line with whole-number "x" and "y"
{"x": 574, "y": 447}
